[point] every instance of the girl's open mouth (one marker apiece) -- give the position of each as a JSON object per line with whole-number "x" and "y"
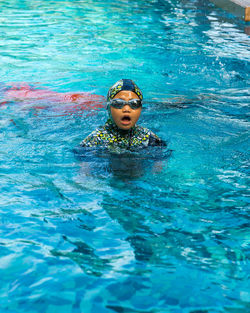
{"x": 126, "y": 119}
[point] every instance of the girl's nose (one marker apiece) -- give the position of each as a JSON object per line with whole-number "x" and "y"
{"x": 126, "y": 108}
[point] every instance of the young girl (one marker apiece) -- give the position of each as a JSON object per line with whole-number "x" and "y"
{"x": 124, "y": 105}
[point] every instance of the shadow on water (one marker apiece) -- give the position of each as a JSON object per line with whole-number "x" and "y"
{"x": 83, "y": 255}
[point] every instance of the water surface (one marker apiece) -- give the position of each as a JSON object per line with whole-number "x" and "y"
{"x": 87, "y": 235}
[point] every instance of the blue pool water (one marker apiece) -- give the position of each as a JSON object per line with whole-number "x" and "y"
{"x": 171, "y": 235}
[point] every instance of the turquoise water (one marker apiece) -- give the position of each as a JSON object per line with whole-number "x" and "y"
{"x": 93, "y": 236}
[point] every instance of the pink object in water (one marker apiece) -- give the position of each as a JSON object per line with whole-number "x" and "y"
{"x": 81, "y": 101}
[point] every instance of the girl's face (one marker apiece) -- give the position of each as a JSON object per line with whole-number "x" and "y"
{"x": 125, "y": 118}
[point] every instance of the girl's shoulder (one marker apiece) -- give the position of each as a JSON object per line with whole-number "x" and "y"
{"x": 153, "y": 139}
{"x": 95, "y": 137}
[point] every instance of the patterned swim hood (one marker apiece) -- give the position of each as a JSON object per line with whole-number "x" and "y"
{"x": 122, "y": 84}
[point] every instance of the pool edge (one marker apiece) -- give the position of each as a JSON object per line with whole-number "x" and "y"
{"x": 240, "y": 8}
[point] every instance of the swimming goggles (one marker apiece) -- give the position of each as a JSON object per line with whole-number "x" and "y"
{"x": 119, "y": 103}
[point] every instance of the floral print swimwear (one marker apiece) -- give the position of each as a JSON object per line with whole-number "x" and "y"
{"x": 111, "y": 136}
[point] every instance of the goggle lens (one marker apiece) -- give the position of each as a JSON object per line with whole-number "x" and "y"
{"x": 119, "y": 103}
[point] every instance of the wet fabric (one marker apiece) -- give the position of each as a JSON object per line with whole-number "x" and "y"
{"x": 124, "y": 84}
{"x": 111, "y": 136}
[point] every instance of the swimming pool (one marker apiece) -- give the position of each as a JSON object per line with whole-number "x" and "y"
{"x": 174, "y": 237}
